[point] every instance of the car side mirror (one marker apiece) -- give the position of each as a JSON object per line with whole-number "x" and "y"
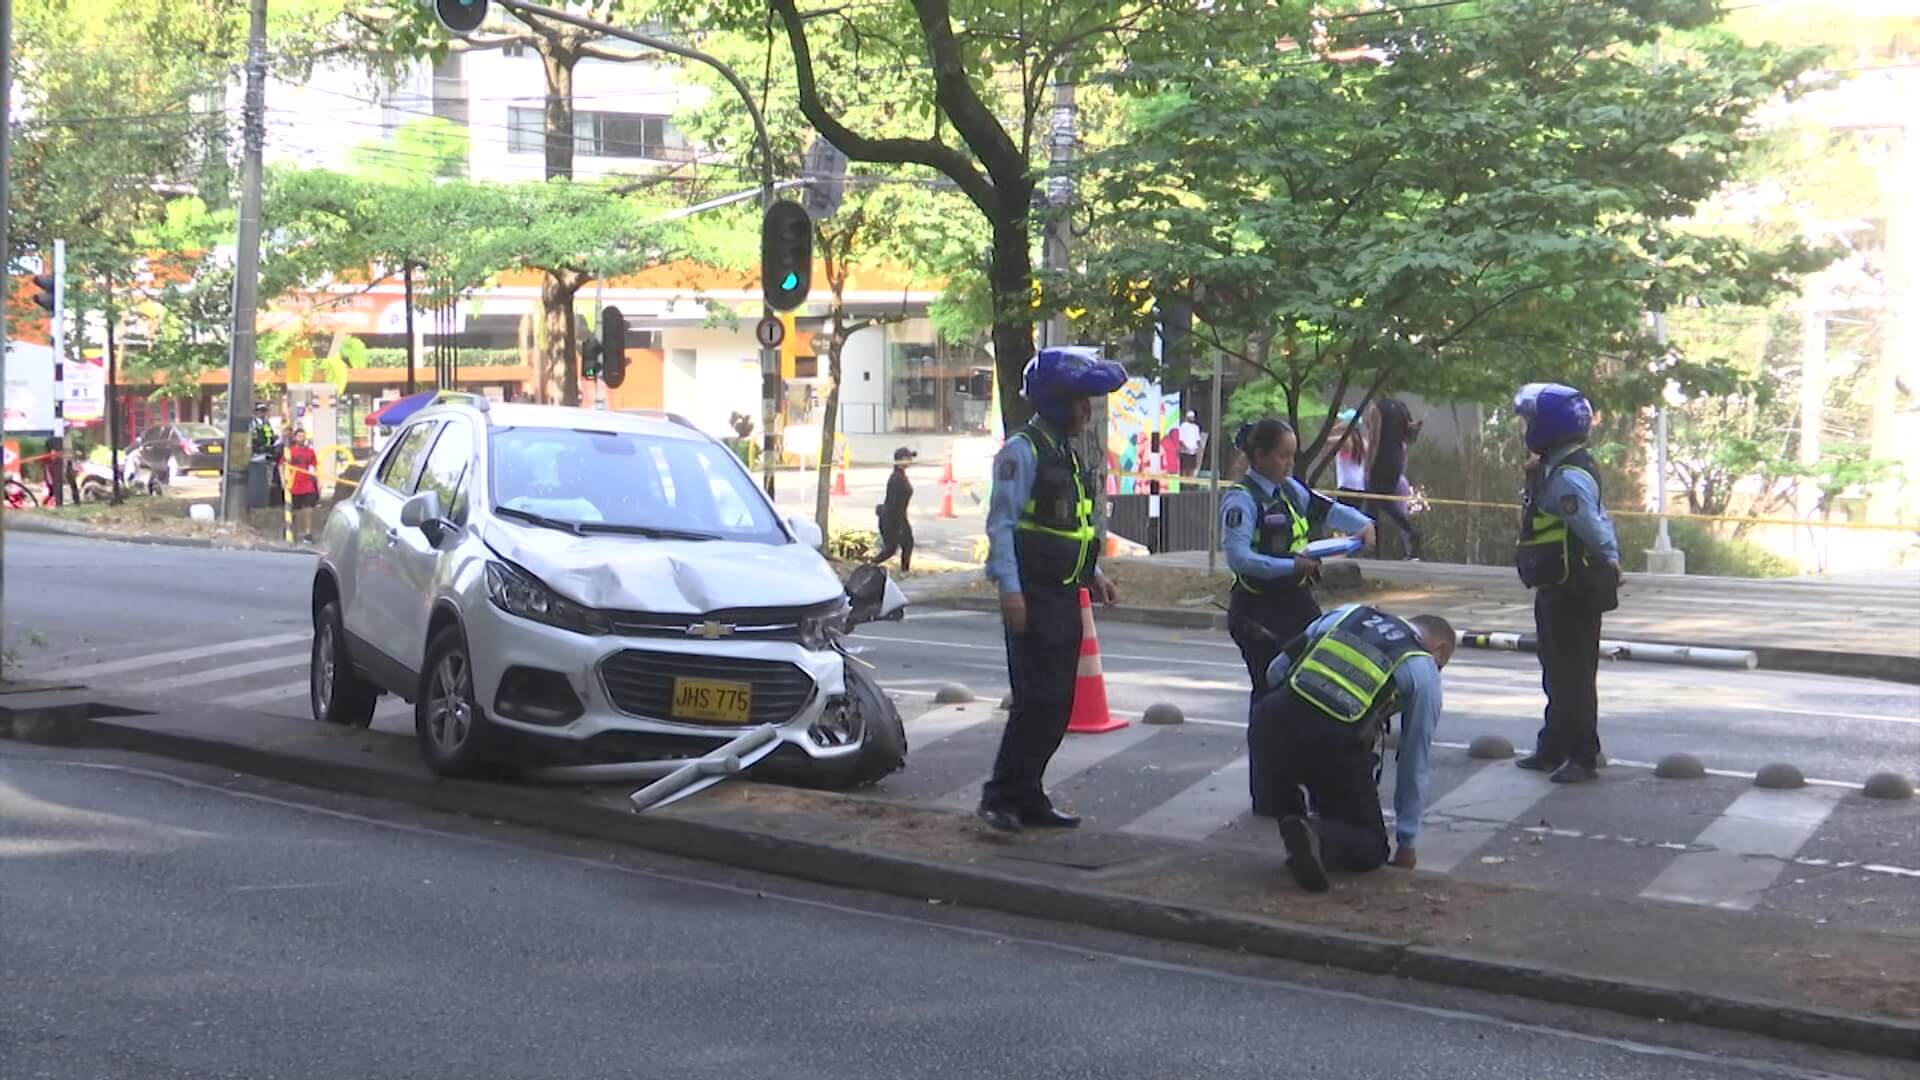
{"x": 806, "y": 532}
{"x": 421, "y": 508}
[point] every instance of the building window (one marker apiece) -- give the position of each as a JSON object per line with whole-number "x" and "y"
{"x": 600, "y": 134}
{"x": 937, "y": 387}
{"x": 527, "y": 131}
{"x": 513, "y": 50}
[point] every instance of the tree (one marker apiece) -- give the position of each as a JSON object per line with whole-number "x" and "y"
{"x": 380, "y": 33}
{"x": 971, "y": 83}
{"x": 894, "y": 217}
{"x": 1451, "y": 202}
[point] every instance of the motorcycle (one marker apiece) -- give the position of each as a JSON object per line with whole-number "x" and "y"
{"x": 95, "y": 481}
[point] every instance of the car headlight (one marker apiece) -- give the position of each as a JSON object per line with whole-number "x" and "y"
{"x": 822, "y": 631}
{"x": 517, "y": 592}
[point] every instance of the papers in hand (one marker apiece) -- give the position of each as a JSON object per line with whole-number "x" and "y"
{"x": 1327, "y": 549}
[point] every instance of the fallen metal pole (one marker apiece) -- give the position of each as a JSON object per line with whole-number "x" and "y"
{"x": 1696, "y": 655}
{"x": 609, "y": 773}
{"x": 701, "y": 773}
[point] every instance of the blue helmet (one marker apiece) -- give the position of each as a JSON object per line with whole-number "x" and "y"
{"x": 1056, "y": 378}
{"x": 1555, "y": 415}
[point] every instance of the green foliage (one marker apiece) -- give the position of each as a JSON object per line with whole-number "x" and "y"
{"x": 1491, "y": 207}
{"x": 852, "y": 545}
{"x": 1708, "y": 554}
{"x": 432, "y": 147}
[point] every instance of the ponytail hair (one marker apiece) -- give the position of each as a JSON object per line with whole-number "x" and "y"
{"x": 1262, "y": 435}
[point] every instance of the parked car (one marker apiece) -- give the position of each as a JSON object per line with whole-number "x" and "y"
{"x": 171, "y": 451}
{"x": 553, "y": 585}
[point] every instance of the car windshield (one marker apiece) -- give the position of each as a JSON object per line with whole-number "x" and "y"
{"x": 621, "y": 482}
{"x": 201, "y": 431}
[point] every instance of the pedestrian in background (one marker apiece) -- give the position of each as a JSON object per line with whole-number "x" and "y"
{"x": 896, "y": 532}
{"x": 1569, "y": 556}
{"x": 1190, "y": 444}
{"x": 1265, "y": 520}
{"x": 1386, "y": 470}
{"x": 304, "y": 488}
{"x": 1042, "y": 549}
{"x": 1350, "y": 461}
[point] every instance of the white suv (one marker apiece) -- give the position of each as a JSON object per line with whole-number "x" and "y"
{"x": 567, "y": 586}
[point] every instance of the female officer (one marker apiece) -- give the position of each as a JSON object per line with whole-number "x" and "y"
{"x": 1265, "y": 520}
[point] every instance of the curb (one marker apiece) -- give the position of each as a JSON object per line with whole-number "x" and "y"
{"x": 910, "y": 877}
{"x": 28, "y": 523}
{"x": 1903, "y": 669}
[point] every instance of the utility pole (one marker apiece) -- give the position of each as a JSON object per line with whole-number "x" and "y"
{"x": 246, "y": 275}
{"x": 113, "y": 396}
{"x": 1664, "y": 558}
{"x": 1213, "y": 473}
{"x": 6, "y": 249}
{"x": 413, "y": 338}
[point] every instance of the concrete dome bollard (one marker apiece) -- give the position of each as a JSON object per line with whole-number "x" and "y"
{"x": 1680, "y": 767}
{"x": 1888, "y": 785}
{"x": 1780, "y": 777}
{"x": 1163, "y": 713}
{"x": 952, "y": 694}
{"x": 1490, "y": 748}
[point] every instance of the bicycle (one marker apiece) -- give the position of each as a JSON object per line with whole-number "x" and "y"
{"x": 19, "y": 496}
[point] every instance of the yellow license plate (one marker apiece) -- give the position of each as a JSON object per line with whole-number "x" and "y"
{"x": 715, "y": 702}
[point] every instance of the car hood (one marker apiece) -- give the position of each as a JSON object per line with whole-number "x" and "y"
{"x": 681, "y": 577}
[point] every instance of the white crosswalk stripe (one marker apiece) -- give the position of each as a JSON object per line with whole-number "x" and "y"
{"x": 177, "y": 656}
{"x": 222, "y": 674}
{"x": 1203, "y": 809}
{"x": 1463, "y": 819}
{"x": 1077, "y": 754}
{"x": 271, "y": 695}
{"x": 1752, "y": 841}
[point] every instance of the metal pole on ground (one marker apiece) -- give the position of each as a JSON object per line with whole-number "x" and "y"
{"x": 6, "y": 249}
{"x": 1213, "y": 474}
{"x": 246, "y": 275}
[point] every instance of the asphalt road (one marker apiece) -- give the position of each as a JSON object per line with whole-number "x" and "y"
{"x": 182, "y": 923}
{"x": 231, "y": 628}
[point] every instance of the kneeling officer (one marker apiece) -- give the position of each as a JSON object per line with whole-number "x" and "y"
{"x": 1334, "y": 690}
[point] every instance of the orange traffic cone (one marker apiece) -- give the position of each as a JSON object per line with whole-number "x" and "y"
{"x": 1090, "y": 713}
{"x": 840, "y": 479}
{"x": 946, "y": 474}
{"x": 946, "y": 500}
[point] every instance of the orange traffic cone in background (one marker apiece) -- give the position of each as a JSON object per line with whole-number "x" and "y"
{"x": 946, "y": 474}
{"x": 946, "y": 500}
{"x": 1090, "y": 713}
{"x": 840, "y": 474}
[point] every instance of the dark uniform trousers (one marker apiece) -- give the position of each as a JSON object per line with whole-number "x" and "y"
{"x": 1567, "y": 625}
{"x": 1296, "y": 752}
{"x": 1042, "y": 664}
{"x": 1264, "y": 624}
{"x": 896, "y": 538}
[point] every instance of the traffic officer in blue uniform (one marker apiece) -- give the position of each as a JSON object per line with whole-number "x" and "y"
{"x": 1569, "y": 556}
{"x": 1265, "y": 520}
{"x": 1043, "y": 548}
{"x": 1320, "y": 733}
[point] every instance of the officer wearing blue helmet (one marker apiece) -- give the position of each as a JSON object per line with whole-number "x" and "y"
{"x": 1042, "y": 550}
{"x": 1569, "y": 556}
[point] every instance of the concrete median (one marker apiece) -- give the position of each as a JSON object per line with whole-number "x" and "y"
{"x": 1499, "y": 938}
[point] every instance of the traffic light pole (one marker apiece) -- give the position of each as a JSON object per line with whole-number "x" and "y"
{"x": 769, "y": 357}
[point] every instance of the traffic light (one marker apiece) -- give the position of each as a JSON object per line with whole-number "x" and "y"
{"x": 786, "y": 255}
{"x": 590, "y": 356}
{"x": 48, "y": 292}
{"x": 613, "y": 347}
{"x": 460, "y": 16}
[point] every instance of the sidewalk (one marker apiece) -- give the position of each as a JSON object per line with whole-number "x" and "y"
{"x": 1752, "y": 972}
{"x": 1830, "y": 627}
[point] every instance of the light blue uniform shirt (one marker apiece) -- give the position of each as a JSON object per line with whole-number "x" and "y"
{"x": 1014, "y": 469}
{"x": 1240, "y": 524}
{"x": 1589, "y": 520}
{"x": 1418, "y": 680}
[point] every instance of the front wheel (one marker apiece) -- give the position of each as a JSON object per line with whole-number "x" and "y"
{"x": 883, "y": 747}
{"x": 456, "y": 739}
{"x": 20, "y": 496}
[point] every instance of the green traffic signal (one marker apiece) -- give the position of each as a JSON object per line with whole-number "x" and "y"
{"x": 786, "y": 255}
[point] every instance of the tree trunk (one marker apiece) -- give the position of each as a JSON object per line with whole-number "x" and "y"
{"x": 829, "y": 424}
{"x": 560, "y": 374}
{"x": 557, "y": 378}
{"x": 1010, "y": 275}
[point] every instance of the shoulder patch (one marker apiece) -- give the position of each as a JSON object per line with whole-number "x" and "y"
{"x": 1008, "y": 469}
{"x": 1235, "y": 517}
{"x": 1569, "y": 504}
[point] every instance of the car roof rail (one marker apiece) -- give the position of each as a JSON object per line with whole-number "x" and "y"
{"x": 662, "y": 414}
